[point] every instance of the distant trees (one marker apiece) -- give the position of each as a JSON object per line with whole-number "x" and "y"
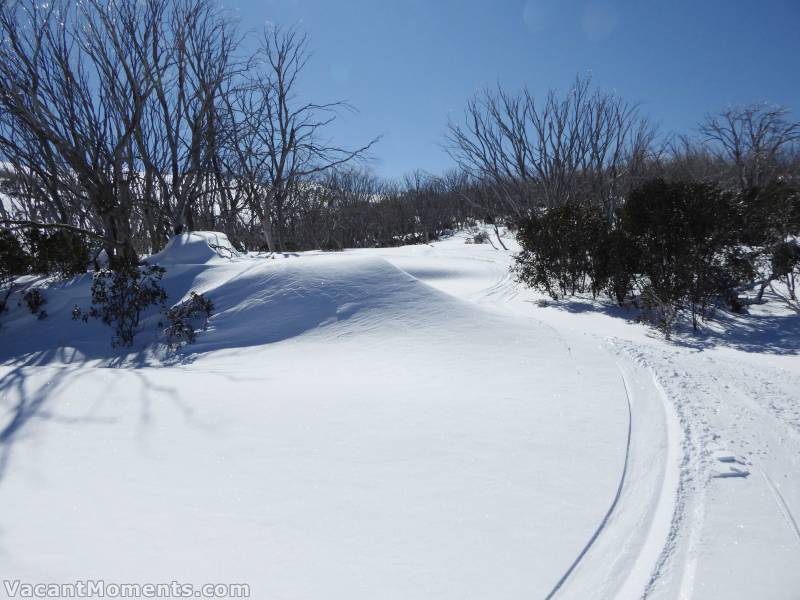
{"x": 584, "y": 145}
{"x": 279, "y": 145}
{"x": 128, "y": 121}
{"x": 122, "y": 123}
{"x": 346, "y": 208}
{"x": 757, "y": 142}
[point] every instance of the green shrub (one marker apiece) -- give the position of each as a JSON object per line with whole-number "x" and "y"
{"x": 13, "y": 263}
{"x": 185, "y": 319}
{"x": 561, "y": 250}
{"x": 34, "y": 300}
{"x": 119, "y": 297}
{"x": 686, "y": 237}
{"x": 786, "y": 265}
{"x": 59, "y": 252}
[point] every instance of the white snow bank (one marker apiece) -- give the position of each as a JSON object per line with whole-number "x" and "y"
{"x": 195, "y": 248}
{"x": 346, "y": 429}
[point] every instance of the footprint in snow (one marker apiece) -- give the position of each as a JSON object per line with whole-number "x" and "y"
{"x": 736, "y": 465}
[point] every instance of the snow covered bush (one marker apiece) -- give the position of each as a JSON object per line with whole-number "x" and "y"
{"x": 119, "y": 297}
{"x": 185, "y": 319}
{"x": 481, "y": 237}
{"x": 34, "y": 300}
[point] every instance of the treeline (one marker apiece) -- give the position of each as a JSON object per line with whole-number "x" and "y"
{"x": 672, "y": 246}
{"x": 123, "y": 123}
{"x": 605, "y": 205}
{"x": 128, "y": 121}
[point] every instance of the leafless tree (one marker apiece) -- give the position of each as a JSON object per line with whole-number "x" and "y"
{"x": 74, "y": 80}
{"x": 112, "y": 116}
{"x": 579, "y": 147}
{"x": 288, "y": 133}
{"x": 179, "y": 143}
{"x": 757, "y": 140}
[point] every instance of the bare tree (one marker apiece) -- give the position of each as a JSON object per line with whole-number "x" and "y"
{"x": 579, "y": 147}
{"x": 180, "y": 144}
{"x": 73, "y": 84}
{"x": 757, "y": 140}
{"x": 289, "y": 132}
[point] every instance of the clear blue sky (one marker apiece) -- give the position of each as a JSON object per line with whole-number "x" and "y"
{"x": 408, "y": 64}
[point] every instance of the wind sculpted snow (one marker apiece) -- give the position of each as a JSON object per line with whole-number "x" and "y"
{"x": 341, "y": 430}
{"x": 400, "y": 423}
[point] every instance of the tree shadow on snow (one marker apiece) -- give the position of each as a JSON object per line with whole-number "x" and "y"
{"x": 777, "y": 333}
{"x": 765, "y": 334}
{"x": 30, "y": 395}
{"x": 255, "y": 307}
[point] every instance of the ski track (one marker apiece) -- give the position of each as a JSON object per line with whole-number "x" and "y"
{"x": 691, "y": 394}
{"x": 780, "y": 500}
{"x": 503, "y": 291}
{"x": 688, "y": 388}
{"x": 688, "y": 385}
{"x": 614, "y": 502}
{"x": 772, "y": 413}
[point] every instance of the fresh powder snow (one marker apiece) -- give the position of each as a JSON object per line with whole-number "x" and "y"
{"x": 398, "y": 423}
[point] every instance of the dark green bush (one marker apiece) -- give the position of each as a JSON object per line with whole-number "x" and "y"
{"x": 185, "y": 319}
{"x": 119, "y": 297}
{"x": 786, "y": 265}
{"x": 769, "y": 214}
{"x": 58, "y": 252}
{"x": 684, "y": 232}
{"x": 560, "y": 250}
{"x": 616, "y": 264}
{"x": 677, "y": 244}
{"x": 34, "y": 300}
{"x": 13, "y": 263}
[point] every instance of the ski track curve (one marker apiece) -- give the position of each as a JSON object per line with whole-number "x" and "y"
{"x": 663, "y": 560}
{"x": 687, "y": 515}
{"x": 679, "y": 460}
{"x": 611, "y": 508}
{"x": 502, "y": 291}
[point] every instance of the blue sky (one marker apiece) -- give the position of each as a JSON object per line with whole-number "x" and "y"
{"x": 407, "y": 65}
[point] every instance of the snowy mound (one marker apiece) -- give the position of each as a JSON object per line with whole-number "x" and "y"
{"x": 269, "y": 301}
{"x": 195, "y": 248}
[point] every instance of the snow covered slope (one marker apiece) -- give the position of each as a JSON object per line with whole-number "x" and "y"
{"x": 713, "y": 484}
{"x": 394, "y": 423}
{"x": 345, "y": 430}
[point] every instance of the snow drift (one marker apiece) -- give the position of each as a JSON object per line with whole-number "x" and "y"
{"x": 195, "y": 248}
{"x": 341, "y": 428}
{"x": 397, "y": 422}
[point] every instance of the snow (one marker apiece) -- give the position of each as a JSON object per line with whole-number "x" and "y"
{"x": 401, "y": 423}
{"x": 195, "y": 248}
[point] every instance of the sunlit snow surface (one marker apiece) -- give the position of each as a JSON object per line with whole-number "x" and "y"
{"x": 401, "y": 423}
